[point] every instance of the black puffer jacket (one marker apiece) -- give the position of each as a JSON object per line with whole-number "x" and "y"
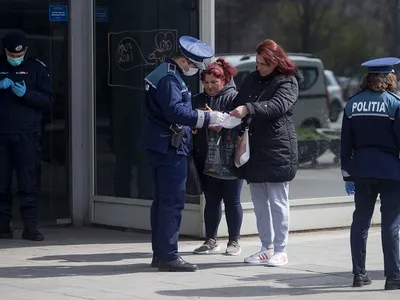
{"x": 273, "y": 142}
{"x": 221, "y": 102}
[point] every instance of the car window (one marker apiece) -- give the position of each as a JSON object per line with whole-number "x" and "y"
{"x": 239, "y": 78}
{"x": 310, "y": 75}
{"x": 330, "y": 80}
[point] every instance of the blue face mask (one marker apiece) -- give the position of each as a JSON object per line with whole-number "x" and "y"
{"x": 15, "y": 61}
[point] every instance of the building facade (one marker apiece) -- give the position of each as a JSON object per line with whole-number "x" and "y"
{"x": 98, "y": 52}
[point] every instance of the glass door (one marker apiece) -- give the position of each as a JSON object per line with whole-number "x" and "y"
{"x": 45, "y": 23}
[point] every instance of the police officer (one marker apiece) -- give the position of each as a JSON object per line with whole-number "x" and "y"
{"x": 166, "y": 139}
{"x": 371, "y": 166}
{"x": 25, "y": 92}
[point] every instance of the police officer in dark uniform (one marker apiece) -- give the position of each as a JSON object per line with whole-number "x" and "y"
{"x": 166, "y": 139}
{"x": 25, "y": 92}
{"x": 371, "y": 166}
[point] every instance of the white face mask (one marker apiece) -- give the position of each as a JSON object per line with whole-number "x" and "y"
{"x": 190, "y": 72}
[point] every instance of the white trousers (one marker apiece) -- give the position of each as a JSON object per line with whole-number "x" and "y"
{"x": 271, "y": 206}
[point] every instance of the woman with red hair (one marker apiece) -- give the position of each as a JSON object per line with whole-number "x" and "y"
{"x": 266, "y": 103}
{"x": 219, "y": 92}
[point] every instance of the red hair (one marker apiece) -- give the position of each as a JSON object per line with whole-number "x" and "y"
{"x": 273, "y": 53}
{"x": 220, "y": 69}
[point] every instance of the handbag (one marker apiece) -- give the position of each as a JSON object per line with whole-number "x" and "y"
{"x": 242, "y": 154}
{"x": 221, "y": 153}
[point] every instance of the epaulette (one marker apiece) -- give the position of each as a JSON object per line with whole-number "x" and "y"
{"x": 39, "y": 61}
{"x": 171, "y": 68}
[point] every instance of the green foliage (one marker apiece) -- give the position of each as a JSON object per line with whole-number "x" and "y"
{"x": 343, "y": 33}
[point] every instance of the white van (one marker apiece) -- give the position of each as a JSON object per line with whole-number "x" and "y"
{"x": 312, "y": 109}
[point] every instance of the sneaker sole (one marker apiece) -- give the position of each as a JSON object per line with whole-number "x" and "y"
{"x": 278, "y": 265}
{"x": 361, "y": 284}
{"x": 217, "y": 249}
{"x": 256, "y": 262}
{"x": 233, "y": 253}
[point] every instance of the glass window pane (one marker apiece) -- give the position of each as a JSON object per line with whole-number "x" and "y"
{"x": 49, "y": 42}
{"x": 132, "y": 38}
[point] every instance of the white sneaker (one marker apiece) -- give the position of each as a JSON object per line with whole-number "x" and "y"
{"x": 279, "y": 259}
{"x": 261, "y": 257}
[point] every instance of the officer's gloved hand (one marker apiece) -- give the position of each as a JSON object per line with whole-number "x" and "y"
{"x": 19, "y": 89}
{"x": 350, "y": 188}
{"x": 6, "y": 83}
{"x": 216, "y": 118}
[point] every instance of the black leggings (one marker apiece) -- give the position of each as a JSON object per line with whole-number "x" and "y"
{"x": 216, "y": 190}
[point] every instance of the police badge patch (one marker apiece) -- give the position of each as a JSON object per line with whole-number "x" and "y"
{"x": 18, "y": 48}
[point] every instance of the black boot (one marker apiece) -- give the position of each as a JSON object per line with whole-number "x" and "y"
{"x": 178, "y": 265}
{"x": 392, "y": 284}
{"x": 32, "y": 235}
{"x": 360, "y": 280}
{"x": 154, "y": 262}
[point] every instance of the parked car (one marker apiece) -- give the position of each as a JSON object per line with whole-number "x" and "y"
{"x": 335, "y": 93}
{"x": 312, "y": 108}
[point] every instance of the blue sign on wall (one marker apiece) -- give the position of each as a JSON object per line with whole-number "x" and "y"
{"x": 58, "y": 13}
{"x": 101, "y": 14}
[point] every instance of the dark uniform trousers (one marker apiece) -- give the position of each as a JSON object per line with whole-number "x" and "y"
{"x": 19, "y": 152}
{"x": 169, "y": 175}
{"x": 367, "y": 191}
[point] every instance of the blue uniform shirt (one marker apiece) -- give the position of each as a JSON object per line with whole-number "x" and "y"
{"x": 370, "y": 141}
{"x": 168, "y": 102}
{"x": 24, "y": 114}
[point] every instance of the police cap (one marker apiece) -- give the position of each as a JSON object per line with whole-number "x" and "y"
{"x": 14, "y": 42}
{"x": 381, "y": 65}
{"x": 196, "y": 51}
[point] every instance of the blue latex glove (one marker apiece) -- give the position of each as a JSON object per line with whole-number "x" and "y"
{"x": 350, "y": 188}
{"x": 6, "y": 83}
{"x": 19, "y": 89}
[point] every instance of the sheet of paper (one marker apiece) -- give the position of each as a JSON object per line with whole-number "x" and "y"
{"x": 228, "y": 122}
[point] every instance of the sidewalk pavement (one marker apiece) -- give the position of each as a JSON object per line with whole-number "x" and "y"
{"x": 100, "y": 264}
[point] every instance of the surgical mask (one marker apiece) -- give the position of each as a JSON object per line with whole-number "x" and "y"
{"x": 190, "y": 72}
{"x": 15, "y": 61}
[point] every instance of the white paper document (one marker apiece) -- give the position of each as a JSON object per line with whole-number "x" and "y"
{"x": 228, "y": 122}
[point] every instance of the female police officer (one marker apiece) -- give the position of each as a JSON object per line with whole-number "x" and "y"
{"x": 371, "y": 166}
{"x": 166, "y": 140}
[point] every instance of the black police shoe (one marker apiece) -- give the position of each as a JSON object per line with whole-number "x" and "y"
{"x": 6, "y": 234}
{"x": 360, "y": 280}
{"x": 154, "y": 262}
{"x": 392, "y": 284}
{"x": 32, "y": 235}
{"x": 178, "y": 265}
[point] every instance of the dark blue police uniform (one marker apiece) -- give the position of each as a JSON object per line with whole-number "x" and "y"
{"x": 168, "y": 111}
{"x": 370, "y": 158}
{"x": 22, "y": 102}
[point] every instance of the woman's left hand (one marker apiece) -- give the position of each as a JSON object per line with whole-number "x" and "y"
{"x": 240, "y": 112}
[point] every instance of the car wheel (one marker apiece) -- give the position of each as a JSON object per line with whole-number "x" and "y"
{"x": 335, "y": 111}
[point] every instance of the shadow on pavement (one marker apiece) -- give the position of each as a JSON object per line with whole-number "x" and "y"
{"x": 268, "y": 285}
{"x": 76, "y": 236}
{"x": 98, "y": 257}
{"x": 92, "y": 270}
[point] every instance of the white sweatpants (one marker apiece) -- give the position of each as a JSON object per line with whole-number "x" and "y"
{"x": 271, "y": 206}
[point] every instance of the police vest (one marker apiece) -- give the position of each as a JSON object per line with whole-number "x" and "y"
{"x": 367, "y": 104}
{"x": 161, "y": 71}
